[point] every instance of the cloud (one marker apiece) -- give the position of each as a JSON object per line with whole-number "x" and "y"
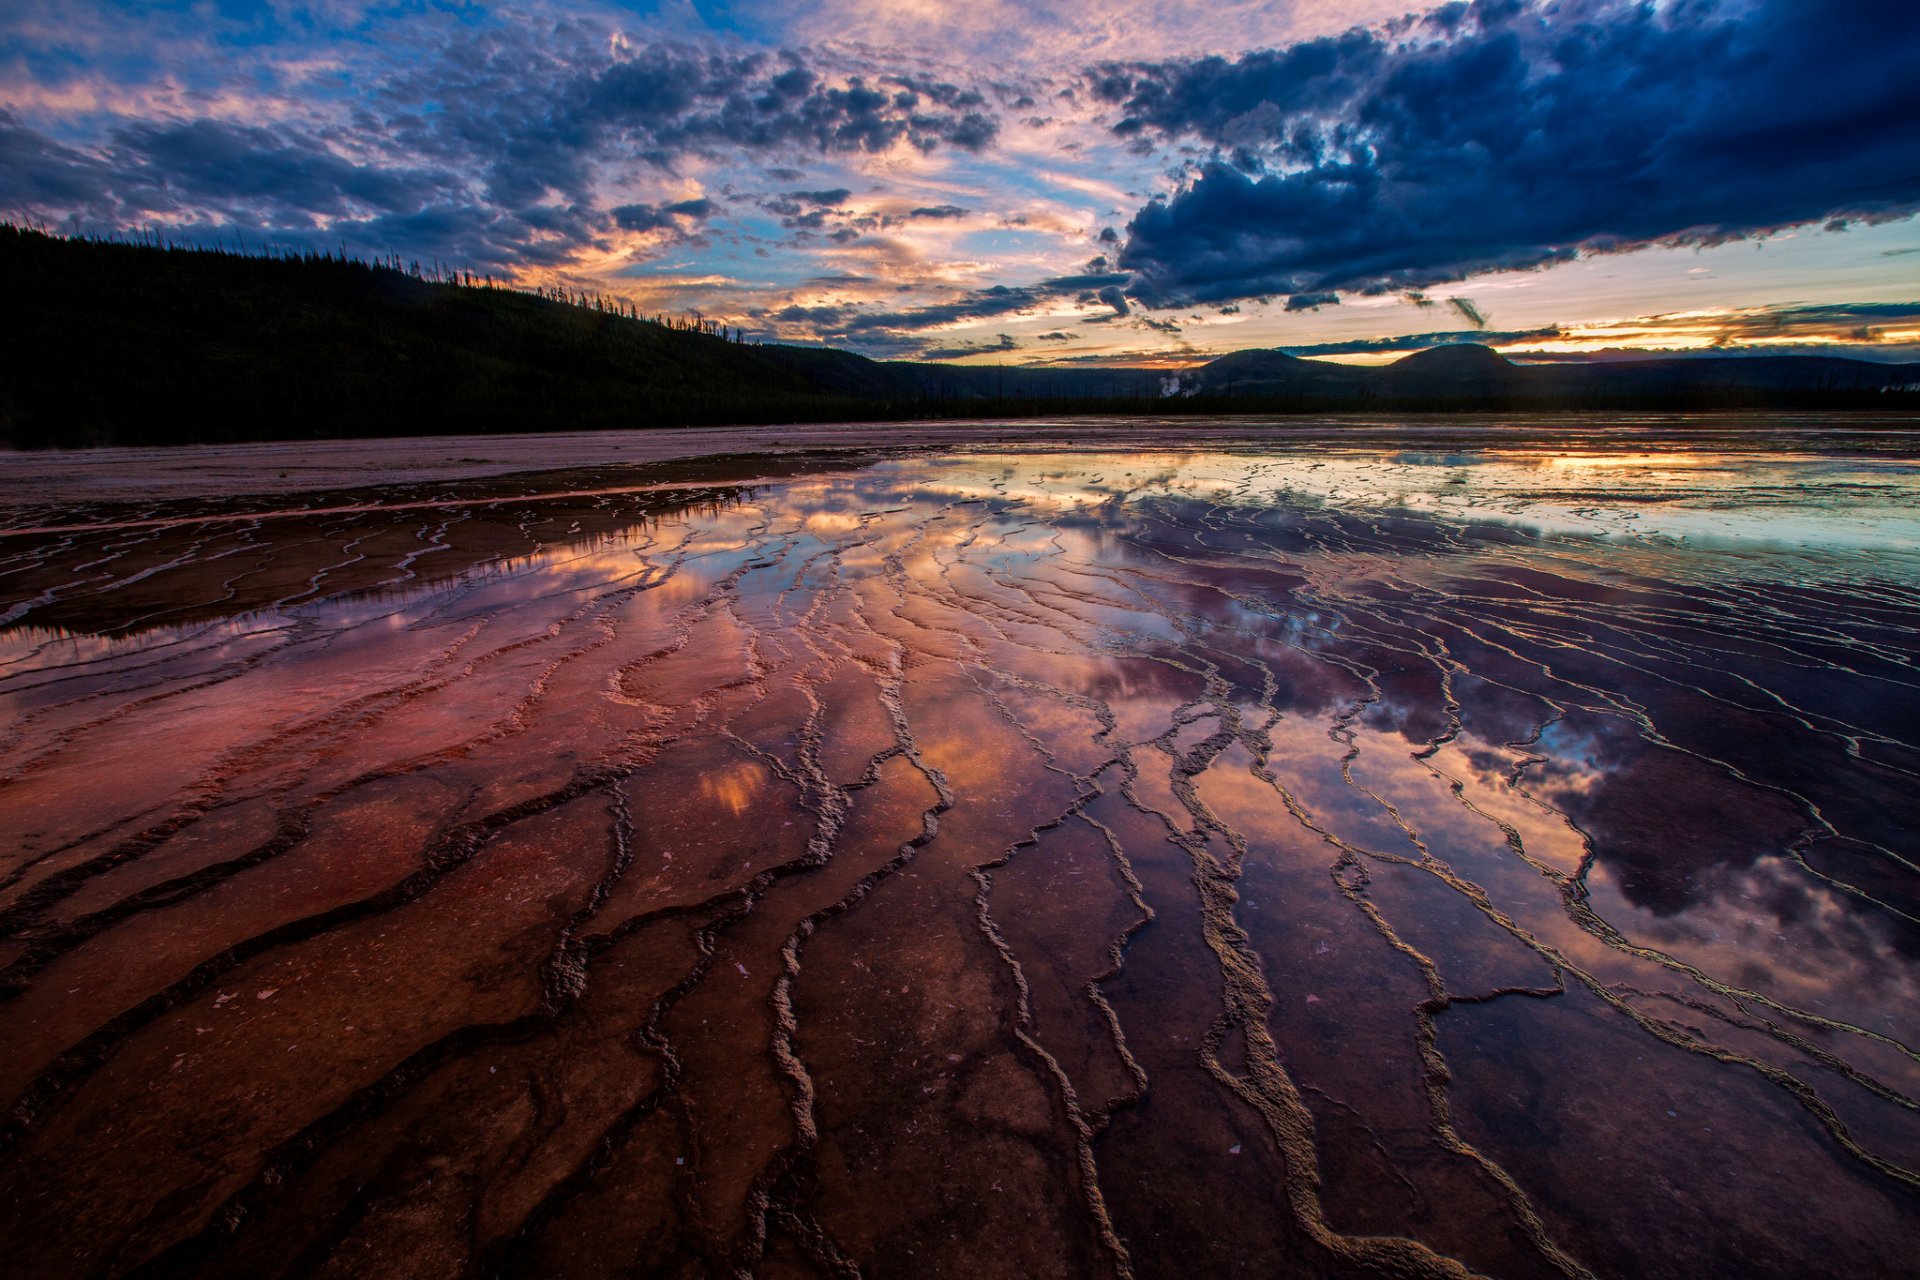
{"x": 1469, "y": 311}
{"x": 38, "y": 173}
{"x": 531, "y": 141}
{"x": 504, "y": 139}
{"x": 212, "y": 159}
{"x": 1828, "y": 319}
{"x": 1869, "y": 330}
{"x": 280, "y": 172}
{"x": 1045, "y": 34}
{"x": 541, "y": 113}
{"x": 1421, "y": 341}
{"x": 1243, "y": 100}
{"x": 210, "y": 181}
{"x": 893, "y": 331}
{"x": 1004, "y": 342}
{"x": 662, "y": 217}
{"x": 1845, "y": 328}
{"x": 1900, "y": 353}
{"x": 1513, "y": 134}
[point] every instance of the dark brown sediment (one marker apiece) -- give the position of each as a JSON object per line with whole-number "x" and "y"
{"x": 1024, "y": 863}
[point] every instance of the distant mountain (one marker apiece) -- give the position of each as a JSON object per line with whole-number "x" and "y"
{"x": 1255, "y": 373}
{"x": 109, "y": 343}
{"x": 1465, "y": 366}
{"x": 1470, "y": 376}
{"x": 844, "y": 373}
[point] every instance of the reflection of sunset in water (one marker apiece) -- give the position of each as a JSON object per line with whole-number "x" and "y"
{"x": 1187, "y": 863}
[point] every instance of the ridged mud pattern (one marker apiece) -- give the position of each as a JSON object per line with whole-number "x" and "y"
{"x": 1308, "y": 862}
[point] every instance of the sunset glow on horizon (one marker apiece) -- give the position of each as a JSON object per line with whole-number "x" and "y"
{"x": 1149, "y": 184}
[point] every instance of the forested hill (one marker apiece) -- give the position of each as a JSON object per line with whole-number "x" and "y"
{"x": 115, "y": 343}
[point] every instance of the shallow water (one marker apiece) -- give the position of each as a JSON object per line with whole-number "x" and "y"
{"x": 1311, "y": 860}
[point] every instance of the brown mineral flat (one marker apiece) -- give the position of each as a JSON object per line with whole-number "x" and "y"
{"x": 1020, "y": 850}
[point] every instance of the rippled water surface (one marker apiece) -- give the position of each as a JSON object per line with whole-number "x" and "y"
{"x": 1309, "y": 861}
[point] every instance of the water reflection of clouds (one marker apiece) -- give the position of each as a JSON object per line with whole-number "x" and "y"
{"x": 1769, "y": 928}
{"x": 1425, "y": 718}
{"x": 1773, "y": 500}
{"x": 302, "y": 565}
{"x": 1261, "y": 559}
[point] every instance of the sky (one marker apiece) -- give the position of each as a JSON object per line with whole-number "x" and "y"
{"x": 1048, "y": 181}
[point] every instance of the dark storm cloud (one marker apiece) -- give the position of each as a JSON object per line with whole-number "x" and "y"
{"x": 1515, "y": 134}
{"x": 1243, "y": 100}
{"x": 662, "y": 217}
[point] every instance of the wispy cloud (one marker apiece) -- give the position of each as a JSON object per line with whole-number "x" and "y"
{"x": 1876, "y": 330}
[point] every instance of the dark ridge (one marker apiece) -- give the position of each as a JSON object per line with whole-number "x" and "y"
{"x": 1461, "y": 359}
{"x": 844, "y": 373}
{"x": 1470, "y": 377}
{"x": 129, "y": 344}
{"x": 111, "y": 342}
{"x": 1257, "y": 373}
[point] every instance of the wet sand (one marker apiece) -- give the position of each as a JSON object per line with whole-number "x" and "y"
{"x": 194, "y": 472}
{"x": 1283, "y": 855}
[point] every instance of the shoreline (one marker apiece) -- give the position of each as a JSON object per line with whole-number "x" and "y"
{"x": 163, "y": 473}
